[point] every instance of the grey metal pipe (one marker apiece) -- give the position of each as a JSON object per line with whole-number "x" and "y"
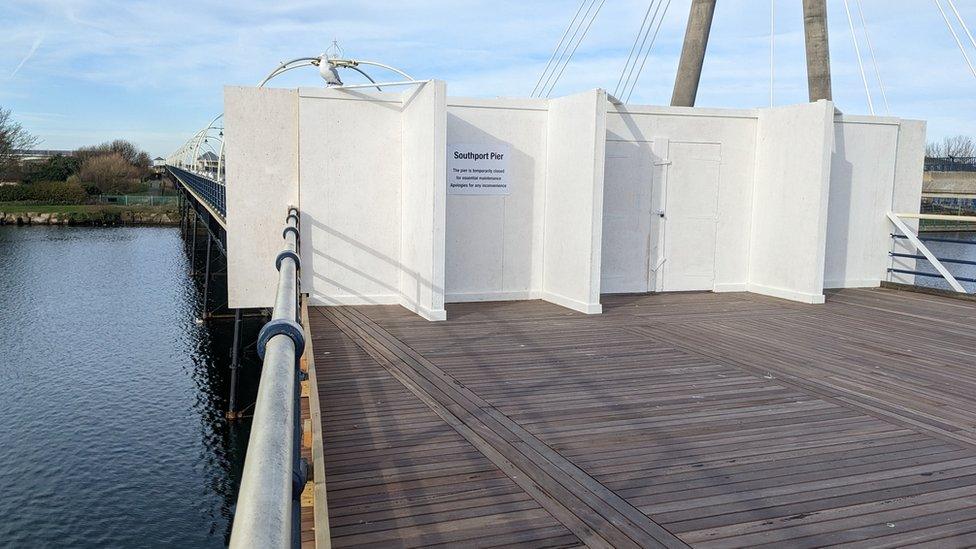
{"x": 266, "y": 503}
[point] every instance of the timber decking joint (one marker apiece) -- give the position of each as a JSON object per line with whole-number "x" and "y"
{"x": 520, "y": 457}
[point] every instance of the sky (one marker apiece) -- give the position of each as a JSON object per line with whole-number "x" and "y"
{"x": 80, "y": 72}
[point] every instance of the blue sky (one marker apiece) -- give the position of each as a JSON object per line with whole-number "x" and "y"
{"x": 78, "y": 72}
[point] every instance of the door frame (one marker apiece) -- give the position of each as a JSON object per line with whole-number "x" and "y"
{"x": 660, "y": 149}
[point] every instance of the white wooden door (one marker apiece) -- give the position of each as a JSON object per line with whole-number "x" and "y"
{"x": 690, "y": 216}
{"x": 628, "y": 179}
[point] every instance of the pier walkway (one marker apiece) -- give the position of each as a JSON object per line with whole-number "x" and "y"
{"x": 695, "y": 419}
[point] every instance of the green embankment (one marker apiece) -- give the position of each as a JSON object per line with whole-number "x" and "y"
{"x": 24, "y": 213}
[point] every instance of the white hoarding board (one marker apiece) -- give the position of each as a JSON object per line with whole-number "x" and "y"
{"x": 477, "y": 169}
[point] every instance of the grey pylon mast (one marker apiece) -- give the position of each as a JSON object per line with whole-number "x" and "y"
{"x": 696, "y": 40}
{"x": 693, "y": 53}
{"x": 818, "y": 50}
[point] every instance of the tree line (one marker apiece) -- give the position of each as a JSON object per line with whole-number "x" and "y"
{"x": 956, "y": 146}
{"x": 113, "y": 167}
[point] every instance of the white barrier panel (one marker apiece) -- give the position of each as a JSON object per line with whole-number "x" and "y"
{"x": 574, "y": 201}
{"x": 414, "y": 198}
{"x": 262, "y": 176}
{"x": 789, "y": 215}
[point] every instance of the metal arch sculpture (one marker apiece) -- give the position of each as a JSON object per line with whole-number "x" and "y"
{"x": 187, "y": 156}
{"x": 333, "y": 63}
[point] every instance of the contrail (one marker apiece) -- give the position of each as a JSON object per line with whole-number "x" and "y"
{"x": 37, "y": 43}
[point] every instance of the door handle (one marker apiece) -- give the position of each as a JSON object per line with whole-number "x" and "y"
{"x": 660, "y": 213}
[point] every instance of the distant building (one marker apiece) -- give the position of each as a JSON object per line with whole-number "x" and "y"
{"x": 207, "y": 162}
{"x": 35, "y": 155}
{"x": 158, "y": 165}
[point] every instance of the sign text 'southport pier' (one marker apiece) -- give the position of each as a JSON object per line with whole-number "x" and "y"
{"x": 478, "y": 169}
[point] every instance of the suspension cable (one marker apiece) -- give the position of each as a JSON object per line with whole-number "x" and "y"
{"x": 952, "y": 4}
{"x": 640, "y": 32}
{"x": 857, "y": 52}
{"x": 772, "y": 49}
{"x": 578, "y": 42}
{"x": 558, "y": 46}
{"x": 647, "y": 53}
{"x": 640, "y": 49}
{"x": 955, "y": 36}
{"x": 877, "y": 70}
{"x": 562, "y": 54}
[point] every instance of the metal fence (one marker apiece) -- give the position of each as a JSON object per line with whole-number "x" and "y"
{"x": 136, "y": 200}
{"x": 213, "y": 192}
{"x": 268, "y": 511}
{"x": 930, "y": 256}
{"x": 950, "y": 164}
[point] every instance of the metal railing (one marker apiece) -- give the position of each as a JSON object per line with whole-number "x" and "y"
{"x": 268, "y": 512}
{"x": 950, "y": 164}
{"x": 918, "y": 242}
{"x": 136, "y": 199}
{"x": 215, "y": 193}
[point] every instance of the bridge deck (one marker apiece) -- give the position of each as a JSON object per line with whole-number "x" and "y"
{"x": 700, "y": 419}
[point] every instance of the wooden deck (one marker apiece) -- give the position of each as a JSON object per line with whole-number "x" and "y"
{"x": 725, "y": 420}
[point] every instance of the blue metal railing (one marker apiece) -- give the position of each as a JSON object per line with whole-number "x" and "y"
{"x": 215, "y": 193}
{"x": 950, "y": 164}
{"x": 949, "y": 260}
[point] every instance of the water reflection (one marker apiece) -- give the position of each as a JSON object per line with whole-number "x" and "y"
{"x": 115, "y": 432}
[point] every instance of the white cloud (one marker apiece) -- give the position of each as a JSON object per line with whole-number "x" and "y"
{"x": 30, "y": 53}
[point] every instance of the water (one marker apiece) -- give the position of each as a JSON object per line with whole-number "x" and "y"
{"x": 950, "y": 251}
{"x": 113, "y": 431}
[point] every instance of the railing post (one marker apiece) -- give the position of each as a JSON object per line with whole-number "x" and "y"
{"x": 206, "y": 279}
{"x": 235, "y": 358}
{"x": 193, "y": 245}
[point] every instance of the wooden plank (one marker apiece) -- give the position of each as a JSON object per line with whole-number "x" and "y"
{"x": 394, "y": 476}
{"x": 730, "y": 419}
{"x": 569, "y": 503}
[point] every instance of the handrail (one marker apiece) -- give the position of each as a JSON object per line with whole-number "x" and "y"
{"x": 939, "y": 239}
{"x": 214, "y": 192}
{"x": 274, "y": 476}
{"x": 942, "y": 259}
{"x": 936, "y": 217}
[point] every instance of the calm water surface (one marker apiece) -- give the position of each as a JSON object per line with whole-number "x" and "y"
{"x": 113, "y": 395}
{"x": 950, "y": 251}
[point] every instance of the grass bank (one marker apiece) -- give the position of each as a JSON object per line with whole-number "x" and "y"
{"x": 25, "y": 213}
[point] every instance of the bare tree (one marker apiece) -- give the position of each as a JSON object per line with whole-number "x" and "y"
{"x": 111, "y": 173}
{"x": 127, "y": 150}
{"x": 957, "y": 146}
{"x": 13, "y": 137}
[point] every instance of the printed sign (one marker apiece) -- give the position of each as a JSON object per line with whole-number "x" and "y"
{"x": 477, "y": 169}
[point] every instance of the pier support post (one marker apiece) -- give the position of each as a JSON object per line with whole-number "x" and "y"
{"x": 206, "y": 279}
{"x": 693, "y": 53}
{"x": 193, "y": 247}
{"x": 818, "y": 49}
{"x": 182, "y": 201}
{"x": 235, "y": 359}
